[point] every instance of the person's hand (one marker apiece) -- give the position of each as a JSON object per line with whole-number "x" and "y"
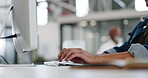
{"x": 77, "y": 55}
{"x": 81, "y": 56}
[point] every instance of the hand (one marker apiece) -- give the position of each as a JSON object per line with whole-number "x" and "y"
{"x": 77, "y": 55}
{"x": 81, "y": 56}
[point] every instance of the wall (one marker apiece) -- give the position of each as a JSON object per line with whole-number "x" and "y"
{"x": 49, "y": 40}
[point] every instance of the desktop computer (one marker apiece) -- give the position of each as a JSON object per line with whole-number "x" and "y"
{"x": 24, "y": 25}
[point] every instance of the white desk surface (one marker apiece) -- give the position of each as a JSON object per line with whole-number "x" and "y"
{"x": 69, "y": 72}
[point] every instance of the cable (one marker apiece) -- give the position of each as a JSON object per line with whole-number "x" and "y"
{"x": 4, "y": 59}
{"x": 4, "y": 24}
{"x": 5, "y": 20}
{"x": 11, "y": 36}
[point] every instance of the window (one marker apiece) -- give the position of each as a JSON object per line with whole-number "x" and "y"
{"x": 140, "y": 5}
{"x": 42, "y": 12}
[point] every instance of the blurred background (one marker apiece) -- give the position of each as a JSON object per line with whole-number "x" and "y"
{"x": 74, "y": 23}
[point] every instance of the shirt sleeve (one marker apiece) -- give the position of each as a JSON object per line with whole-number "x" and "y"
{"x": 127, "y": 46}
{"x": 138, "y": 51}
{"x": 116, "y": 49}
{"x": 111, "y": 51}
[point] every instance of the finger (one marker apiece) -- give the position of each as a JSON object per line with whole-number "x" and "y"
{"x": 73, "y": 60}
{"x": 78, "y": 49}
{"x": 79, "y": 60}
{"x": 68, "y": 55}
{"x": 64, "y": 54}
{"x": 61, "y": 52}
{"x": 75, "y": 48}
{"x": 81, "y": 57}
{"x": 73, "y": 56}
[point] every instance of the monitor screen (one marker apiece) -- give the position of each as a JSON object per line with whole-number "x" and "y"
{"x": 24, "y": 25}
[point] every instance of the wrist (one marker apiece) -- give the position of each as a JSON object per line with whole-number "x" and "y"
{"x": 101, "y": 59}
{"x": 105, "y": 58}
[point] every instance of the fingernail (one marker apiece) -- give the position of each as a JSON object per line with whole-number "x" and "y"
{"x": 68, "y": 60}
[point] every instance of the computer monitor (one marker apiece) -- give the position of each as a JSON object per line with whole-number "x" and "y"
{"x": 24, "y": 25}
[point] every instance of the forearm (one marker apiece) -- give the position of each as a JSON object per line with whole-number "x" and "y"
{"x": 110, "y": 57}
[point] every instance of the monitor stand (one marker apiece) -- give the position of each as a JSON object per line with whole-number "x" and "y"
{"x": 5, "y": 20}
{"x": 1, "y": 31}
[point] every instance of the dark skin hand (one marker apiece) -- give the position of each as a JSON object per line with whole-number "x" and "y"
{"x": 78, "y": 55}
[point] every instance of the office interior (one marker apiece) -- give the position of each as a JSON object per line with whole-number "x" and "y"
{"x": 87, "y": 21}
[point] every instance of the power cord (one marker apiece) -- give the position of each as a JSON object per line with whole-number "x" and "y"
{"x": 7, "y": 37}
{"x": 4, "y": 59}
{"x": 11, "y": 36}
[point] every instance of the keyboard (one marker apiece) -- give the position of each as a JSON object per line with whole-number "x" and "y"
{"x": 63, "y": 63}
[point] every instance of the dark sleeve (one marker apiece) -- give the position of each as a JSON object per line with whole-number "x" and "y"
{"x": 146, "y": 46}
{"x": 126, "y": 45}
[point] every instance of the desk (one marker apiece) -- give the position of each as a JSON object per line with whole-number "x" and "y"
{"x": 69, "y": 72}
